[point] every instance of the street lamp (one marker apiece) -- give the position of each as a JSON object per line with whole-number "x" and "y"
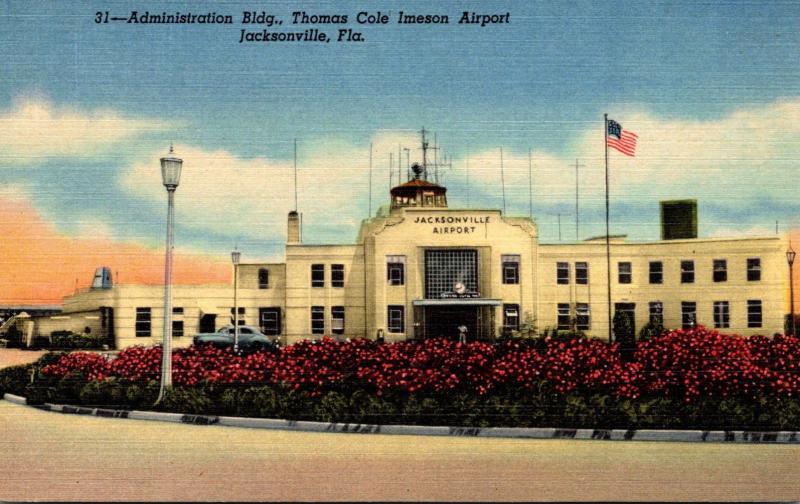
{"x": 790, "y": 259}
{"x": 170, "y": 177}
{"x": 235, "y": 256}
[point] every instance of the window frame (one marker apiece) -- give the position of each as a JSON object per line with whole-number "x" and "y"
{"x": 719, "y": 270}
{"x": 753, "y": 269}
{"x": 510, "y": 268}
{"x": 722, "y": 314}
{"x": 177, "y": 328}
{"x": 262, "y": 321}
{"x": 685, "y": 323}
{"x": 752, "y": 314}
{"x": 317, "y": 269}
{"x": 583, "y": 317}
{"x": 396, "y": 323}
{"x": 337, "y": 310}
{"x": 656, "y": 312}
{"x": 317, "y": 320}
{"x": 687, "y": 275}
{"x": 624, "y": 277}
{"x": 141, "y": 311}
{"x": 562, "y": 311}
{"x": 393, "y": 267}
{"x": 511, "y": 321}
{"x": 336, "y": 271}
{"x": 562, "y": 273}
{"x": 263, "y": 278}
{"x": 582, "y": 273}
{"x": 656, "y": 276}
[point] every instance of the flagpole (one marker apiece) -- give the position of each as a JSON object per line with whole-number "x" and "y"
{"x": 608, "y": 240}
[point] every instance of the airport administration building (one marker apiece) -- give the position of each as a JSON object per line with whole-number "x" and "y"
{"x": 420, "y": 269}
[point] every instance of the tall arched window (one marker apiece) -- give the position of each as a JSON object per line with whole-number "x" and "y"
{"x": 263, "y": 278}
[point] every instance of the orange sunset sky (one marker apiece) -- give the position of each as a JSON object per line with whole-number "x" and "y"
{"x": 39, "y": 266}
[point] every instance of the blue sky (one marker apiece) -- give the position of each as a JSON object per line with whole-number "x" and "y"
{"x": 712, "y": 88}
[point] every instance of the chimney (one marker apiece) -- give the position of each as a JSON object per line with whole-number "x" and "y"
{"x": 678, "y": 219}
{"x": 293, "y": 231}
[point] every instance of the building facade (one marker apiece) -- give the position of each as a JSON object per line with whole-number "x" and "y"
{"x": 420, "y": 269}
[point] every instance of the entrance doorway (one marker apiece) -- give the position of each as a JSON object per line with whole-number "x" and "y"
{"x": 208, "y": 323}
{"x": 443, "y": 321}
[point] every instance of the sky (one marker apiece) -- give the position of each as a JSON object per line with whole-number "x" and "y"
{"x": 712, "y": 89}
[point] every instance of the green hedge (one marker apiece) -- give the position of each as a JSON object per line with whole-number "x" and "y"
{"x": 71, "y": 340}
{"x": 512, "y": 407}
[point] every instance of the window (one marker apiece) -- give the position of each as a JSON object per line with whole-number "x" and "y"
{"x": 337, "y": 319}
{"x": 657, "y": 313}
{"x": 753, "y": 313}
{"x": 688, "y": 314}
{"x": 142, "y": 322}
{"x": 563, "y": 316}
{"x": 625, "y": 272}
{"x": 177, "y": 328}
{"x": 317, "y": 320}
{"x": 270, "y": 319}
{"x": 583, "y": 317}
{"x": 396, "y": 270}
{"x": 240, "y": 319}
{"x": 582, "y": 273}
{"x": 396, "y": 319}
{"x": 263, "y": 278}
{"x": 444, "y": 268}
{"x": 337, "y": 275}
{"x": 317, "y": 275}
{"x": 656, "y": 272}
{"x": 720, "y": 270}
{"x": 510, "y": 269}
{"x": 177, "y": 310}
{"x": 722, "y": 314}
{"x": 754, "y": 269}
{"x": 687, "y": 271}
{"x": 562, "y": 273}
{"x": 511, "y": 317}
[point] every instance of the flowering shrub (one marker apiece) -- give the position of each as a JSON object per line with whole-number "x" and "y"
{"x": 687, "y": 365}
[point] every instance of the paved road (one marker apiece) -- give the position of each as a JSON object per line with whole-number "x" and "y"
{"x": 62, "y": 457}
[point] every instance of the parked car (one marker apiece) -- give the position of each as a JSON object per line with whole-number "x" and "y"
{"x": 250, "y": 339}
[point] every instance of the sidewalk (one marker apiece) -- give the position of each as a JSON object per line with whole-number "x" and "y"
{"x": 15, "y": 356}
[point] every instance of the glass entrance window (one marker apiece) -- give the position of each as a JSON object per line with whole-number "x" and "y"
{"x": 446, "y": 269}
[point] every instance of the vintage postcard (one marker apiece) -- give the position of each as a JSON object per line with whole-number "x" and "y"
{"x": 399, "y": 250}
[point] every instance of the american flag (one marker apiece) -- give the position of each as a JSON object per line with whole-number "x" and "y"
{"x": 622, "y": 140}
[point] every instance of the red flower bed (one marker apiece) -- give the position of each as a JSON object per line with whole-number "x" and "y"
{"x": 685, "y": 364}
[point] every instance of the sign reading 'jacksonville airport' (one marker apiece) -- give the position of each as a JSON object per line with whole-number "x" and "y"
{"x": 453, "y": 224}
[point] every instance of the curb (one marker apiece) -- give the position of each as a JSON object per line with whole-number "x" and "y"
{"x": 676, "y": 436}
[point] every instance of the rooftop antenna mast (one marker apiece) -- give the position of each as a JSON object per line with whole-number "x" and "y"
{"x": 530, "y": 183}
{"x": 408, "y": 163}
{"x": 399, "y": 164}
{"x": 577, "y": 215}
{"x": 369, "y": 214}
{"x": 467, "y": 172}
{"x": 503, "y": 180}
{"x": 295, "y": 174}
{"x": 391, "y": 173}
{"x": 424, "y": 154}
{"x": 435, "y": 149}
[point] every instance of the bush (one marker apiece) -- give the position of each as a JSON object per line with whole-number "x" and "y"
{"x": 14, "y": 337}
{"x": 68, "y": 339}
{"x": 14, "y": 379}
{"x": 106, "y": 393}
{"x": 650, "y": 331}
{"x": 193, "y": 401}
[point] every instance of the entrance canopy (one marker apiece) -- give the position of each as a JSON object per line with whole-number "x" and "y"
{"x": 457, "y": 302}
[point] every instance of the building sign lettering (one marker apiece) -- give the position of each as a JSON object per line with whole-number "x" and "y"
{"x": 463, "y": 224}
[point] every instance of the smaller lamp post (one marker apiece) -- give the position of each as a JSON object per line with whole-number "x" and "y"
{"x": 235, "y": 256}
{"x": 170, "y": 176}
{"x": 790, "y": 254}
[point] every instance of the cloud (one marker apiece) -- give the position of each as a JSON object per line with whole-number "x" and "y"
{"x": 40, "y": 265}
{"x": 34, "y": 129}
{"x": 225, "y": 193}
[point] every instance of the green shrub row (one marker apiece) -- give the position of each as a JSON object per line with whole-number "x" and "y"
{"x": 510, "y": 407}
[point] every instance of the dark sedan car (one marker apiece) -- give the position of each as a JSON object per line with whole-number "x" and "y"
{"x": 250, "y": 339}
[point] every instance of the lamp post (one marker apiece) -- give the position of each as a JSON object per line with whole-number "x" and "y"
{"x": 235, "y": 256}
{"x": 790, "y": 254}
{"x": 170, "y": 177}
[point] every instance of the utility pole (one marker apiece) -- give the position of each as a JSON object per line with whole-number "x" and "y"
{"x": 577, "y": 207}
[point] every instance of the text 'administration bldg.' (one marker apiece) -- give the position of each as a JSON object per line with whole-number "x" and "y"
{"x": 419, "y": 269}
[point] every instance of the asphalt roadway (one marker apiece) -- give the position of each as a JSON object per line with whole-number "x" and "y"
{"x": 51, "y": 456}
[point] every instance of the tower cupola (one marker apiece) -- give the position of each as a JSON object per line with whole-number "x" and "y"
{"x": 418, "y": 192}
